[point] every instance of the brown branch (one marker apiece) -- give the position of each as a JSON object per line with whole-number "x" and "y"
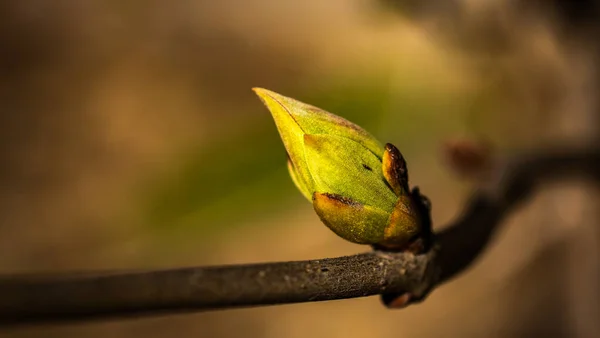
{"x": 30, "y": 299}
{"x": 512, "y": 182}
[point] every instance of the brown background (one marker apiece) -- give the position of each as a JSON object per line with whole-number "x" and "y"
{"x": 130, "y": 138}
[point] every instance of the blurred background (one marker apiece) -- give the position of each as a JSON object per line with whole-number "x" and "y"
{"x": 130, "y": 138}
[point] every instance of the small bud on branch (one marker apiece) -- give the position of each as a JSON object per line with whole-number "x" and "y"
{"x": 358, "y": 188}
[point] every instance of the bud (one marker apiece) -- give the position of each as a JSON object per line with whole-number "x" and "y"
{"x": 358, "y": 188}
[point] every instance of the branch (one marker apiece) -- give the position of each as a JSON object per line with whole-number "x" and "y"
{"x": 203, "y": 288}
{"x": 405, "y": 276}
{"x": 512, "y": 182}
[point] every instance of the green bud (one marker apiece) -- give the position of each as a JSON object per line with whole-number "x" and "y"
{"x": 358, "y": 188}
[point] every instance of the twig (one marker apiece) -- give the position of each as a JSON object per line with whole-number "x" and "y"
{"x": 28, "y": 299}
{"x": 512, "y": 182}
{"x": 31, "y": 299}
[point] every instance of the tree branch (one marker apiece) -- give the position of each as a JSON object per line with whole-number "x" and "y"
{"x": 512, "y": 182}
{"x": 31, "y": 299}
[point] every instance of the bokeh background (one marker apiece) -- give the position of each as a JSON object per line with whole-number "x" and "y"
{"x": 130, "y": 138}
